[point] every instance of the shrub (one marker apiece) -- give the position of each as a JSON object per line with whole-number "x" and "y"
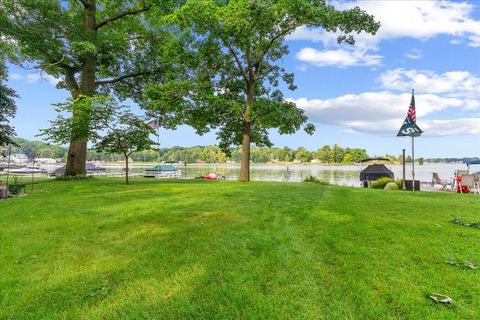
{"x": 16, "y": 187}
{"x": 380, "y": 183}
{"x": 391, "y": 186}
{"x": 312, "y": 179}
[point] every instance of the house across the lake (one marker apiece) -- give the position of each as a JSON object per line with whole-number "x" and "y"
{"x": 19, "y": 158}
{"x": 46, "y": 160}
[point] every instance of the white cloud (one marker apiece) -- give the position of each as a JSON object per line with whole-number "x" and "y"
{"x": 383, "y": 112}
{"x": 302, "y": 67}
{"x": 474, "y": 40}
{"x": 36, "y": 77}
{"x": 33, "y": 78}
{"x": 360, "y": 54}
{"x": 464, "y": 126}
{"x": 450, "y": 84}
{"x": 414, "y": 54}
{"x": 329, "y": 39}
{"x": 413, "y": 19}
{"x": 422, "y": 19}
{"x": 339, "y": 57}
{"x": 16, "y": 76}
{"x": 375, "y": 106}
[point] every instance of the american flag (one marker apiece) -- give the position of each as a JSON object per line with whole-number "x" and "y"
{"x": 153, "y": 123}
{"x": 411, "y": 109}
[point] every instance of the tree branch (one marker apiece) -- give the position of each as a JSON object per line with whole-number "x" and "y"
{"x": 81, "y": 2}
{"x": 46, "y": 66}
{"x": 121, "y": 15}
{"x": 239, "y": 64}
{"x": 270, "y": 44}
{"x": 265, "y": 72}
{"x": 121, "y": 78}
{"x": 71, "y": 82}
{"x": 58, "y": 62}
{"x": 260, "y": 115}
{"x": 225, "y": 116}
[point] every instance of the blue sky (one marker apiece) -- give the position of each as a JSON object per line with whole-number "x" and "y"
{"x": 357, "y": 96}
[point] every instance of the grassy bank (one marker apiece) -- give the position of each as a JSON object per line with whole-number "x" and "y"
{"x": 98, "y": 249}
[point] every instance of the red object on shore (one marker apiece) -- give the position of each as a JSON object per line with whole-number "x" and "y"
{"x": 464, "y": 188}
{"x": 211, "y": 176}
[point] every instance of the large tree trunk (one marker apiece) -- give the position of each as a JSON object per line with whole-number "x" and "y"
{"x": 77, "y": 151}
{"x": 77, "y": 154}
{"x": 246, "y": 133}
{"x": 245, "y": 164}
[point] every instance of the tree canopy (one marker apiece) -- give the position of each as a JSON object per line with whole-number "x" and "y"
{"x": 125, "y": 134}
{"x": 92, "y": 46}
{"x": 237, "y": 86}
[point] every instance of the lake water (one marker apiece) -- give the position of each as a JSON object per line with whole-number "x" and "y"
{"x": 340, "y": 175}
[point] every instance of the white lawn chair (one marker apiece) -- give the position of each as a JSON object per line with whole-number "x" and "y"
{"x": 476, "y": 183}
{"x": 444, "y": 183}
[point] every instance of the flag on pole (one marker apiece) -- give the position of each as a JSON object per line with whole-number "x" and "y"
{"x": 153, "y": 123}
{"x": 409, "y": 128}
{"x": 411, "y": 109}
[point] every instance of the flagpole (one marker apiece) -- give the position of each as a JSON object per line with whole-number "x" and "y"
{"x": 33, "y": 168}
{"x": 8, "y": 164}
{"x": 413, "y": 164}
{"x": 404, "y": 185}
{"x": 413, "y": 156}
{"x": 158, "y": 146}
{"x": 410, "y": 128}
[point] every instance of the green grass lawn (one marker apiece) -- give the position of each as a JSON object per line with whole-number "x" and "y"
{"x": 98, "y": 249}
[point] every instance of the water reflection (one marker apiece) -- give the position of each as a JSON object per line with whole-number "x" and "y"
{"x": 340, "y": 175}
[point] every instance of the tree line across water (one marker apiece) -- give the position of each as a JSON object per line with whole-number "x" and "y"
{"x": 214, "y": 154}
{"x": 207, "y": 154}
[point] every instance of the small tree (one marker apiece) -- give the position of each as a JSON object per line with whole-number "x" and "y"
{"x": 125, "y": 135}
{"x": 112, "y": 128}
{"x": 96, "y": 111}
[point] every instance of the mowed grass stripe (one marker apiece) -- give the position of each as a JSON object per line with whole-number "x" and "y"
{"x": 97, "y": 249}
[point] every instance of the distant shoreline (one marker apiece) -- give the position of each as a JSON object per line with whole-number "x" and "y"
{"x": 122, "y": 163}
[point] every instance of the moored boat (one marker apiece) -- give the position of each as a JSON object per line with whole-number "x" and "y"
{"x": 5, "y": 166}
{"x": 163, "y": 171}
{"x": 90, "y": 168}
{"x": 28, "y": 170}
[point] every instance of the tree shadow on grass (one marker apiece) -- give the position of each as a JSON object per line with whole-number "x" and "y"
{"x": 242, "y": 255}
{"x": 173, "y": 254}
